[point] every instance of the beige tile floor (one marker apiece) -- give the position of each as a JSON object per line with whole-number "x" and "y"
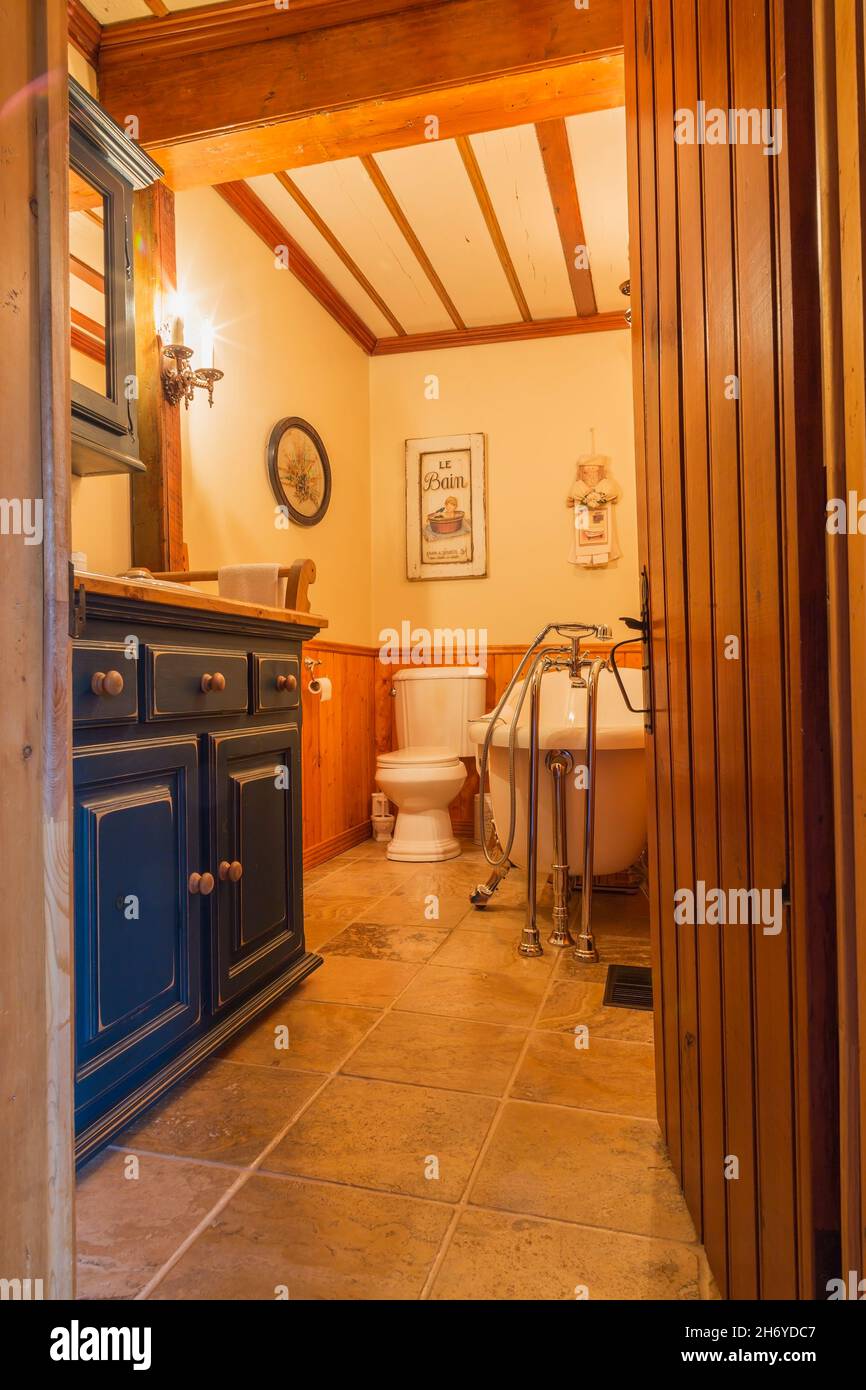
{"x": 416, "y": 1121}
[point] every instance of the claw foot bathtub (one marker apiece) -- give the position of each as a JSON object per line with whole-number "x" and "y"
{"x": 620, "y": 811}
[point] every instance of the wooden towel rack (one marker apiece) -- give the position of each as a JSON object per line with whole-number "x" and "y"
{"x": 298, "y": 576}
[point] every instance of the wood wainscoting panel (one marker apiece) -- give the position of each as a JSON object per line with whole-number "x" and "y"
{"x": 338, "y": 750}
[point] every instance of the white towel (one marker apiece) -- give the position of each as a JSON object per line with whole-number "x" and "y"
{"x": 253, "y": 584}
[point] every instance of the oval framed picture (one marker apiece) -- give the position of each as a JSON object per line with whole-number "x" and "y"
{"x": 299, "y": 470}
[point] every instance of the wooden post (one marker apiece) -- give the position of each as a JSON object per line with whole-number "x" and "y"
{"x": 36, "y": 1066}
{"x": 157, "y": 508}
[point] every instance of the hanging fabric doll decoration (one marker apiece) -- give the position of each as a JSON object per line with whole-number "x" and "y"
{"x": 591, "y": 499}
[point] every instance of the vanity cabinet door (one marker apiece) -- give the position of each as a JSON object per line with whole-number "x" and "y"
{"x": 255, "y": 809}
{"x": 137, "y": 926}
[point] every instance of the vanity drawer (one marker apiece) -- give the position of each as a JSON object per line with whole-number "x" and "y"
{"x": 104, "y": 684}
{"x": 184, "y": 682}
{"x": 276, "y": 681}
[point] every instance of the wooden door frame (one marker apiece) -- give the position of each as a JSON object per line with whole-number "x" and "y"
{"x": 36, "y": 1046}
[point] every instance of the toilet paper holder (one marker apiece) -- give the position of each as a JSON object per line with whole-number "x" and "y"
{"x": 318, "y": 685}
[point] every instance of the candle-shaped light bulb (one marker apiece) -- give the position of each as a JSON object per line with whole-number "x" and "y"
{"x": 177, "y": 331}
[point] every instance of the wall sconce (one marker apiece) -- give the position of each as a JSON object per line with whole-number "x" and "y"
{"x": 179, "y": 384}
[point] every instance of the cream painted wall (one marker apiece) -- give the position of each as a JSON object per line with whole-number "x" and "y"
{"x": 282, "y": 354}
{"x": 536, "y": 401}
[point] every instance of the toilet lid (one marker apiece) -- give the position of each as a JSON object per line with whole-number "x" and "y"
{"x": 418, "y": 757}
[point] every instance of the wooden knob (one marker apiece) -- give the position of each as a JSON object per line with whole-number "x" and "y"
{"x": 287, "y": 682}
{"x": 217, "y": 681}
{"x": 106, "y": 682}
{"x": 201, "y": 883}
{"x": 231, "y": 872}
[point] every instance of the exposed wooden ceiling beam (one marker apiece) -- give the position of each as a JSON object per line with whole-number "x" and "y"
{"x": 371, "y": 127}
{"x": 96, "y": 330}
{"x": 555, "y": 151}
{"x": 87, "y": 273}
{"x": 84, "y": 32}
{"x": 302, "y": 97}
{"x": 261, "y": 220}
{"x": 384, "y": 190}
{"x": 488, "y": 212}
{"x": 208, "y": 27}
{"x": 157, "y": 8}
{"x": 500, "y": 333}
{"x": 337, "y": 246}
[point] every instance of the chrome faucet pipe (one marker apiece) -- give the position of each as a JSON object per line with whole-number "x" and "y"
{"x": 572, "y": 632}
{"x": 493, "y": 719}
{"x": 585, "y": 949}
{"x": 560, "y": 763}
{"x": 530, "y": 939}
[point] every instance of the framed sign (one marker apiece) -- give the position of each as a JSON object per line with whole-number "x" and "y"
{"x": 446, "y": 522}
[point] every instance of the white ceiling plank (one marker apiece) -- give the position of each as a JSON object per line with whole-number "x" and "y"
{"x": 344, "y": 197}
{"x": 115, "y": 11}
{"x": 511, "y": 163}
{"x": 431, "y": 184}
{"x": 598, "y": 151}
{"x": 299, "y": 226}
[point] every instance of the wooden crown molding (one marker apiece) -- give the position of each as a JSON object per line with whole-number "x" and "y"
{"x": 271, "y": 231}
{"x": 293, "y": 98}
{"x": 500, "y": 333}
{"x": 84, "y": 32}
{"x": 83, "y": 343}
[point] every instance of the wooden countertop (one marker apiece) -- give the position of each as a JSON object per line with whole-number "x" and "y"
{"x": 185, "y": 596}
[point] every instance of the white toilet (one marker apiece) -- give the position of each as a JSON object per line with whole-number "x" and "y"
{"x": 424, "y": 773}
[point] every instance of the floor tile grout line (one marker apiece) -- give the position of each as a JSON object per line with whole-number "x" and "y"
{"x": 254, "y": 1167}
{"x": 585, "y": 1225}
{"x": 440, "y": 1256}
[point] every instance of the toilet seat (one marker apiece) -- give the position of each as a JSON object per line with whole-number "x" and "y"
{"x": 422, "y": 756}
{"x": 422, "y": 781}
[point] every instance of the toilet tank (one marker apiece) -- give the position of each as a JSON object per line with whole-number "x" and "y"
{"x": 435, "y": 704}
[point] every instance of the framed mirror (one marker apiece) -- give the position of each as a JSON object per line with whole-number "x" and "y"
{"x": 105, "y": 167}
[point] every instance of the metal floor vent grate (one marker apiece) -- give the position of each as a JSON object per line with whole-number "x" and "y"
{"x": 629, "y": 987}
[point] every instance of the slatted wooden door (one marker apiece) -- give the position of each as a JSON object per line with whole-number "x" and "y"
{"x": 727, "y": 387}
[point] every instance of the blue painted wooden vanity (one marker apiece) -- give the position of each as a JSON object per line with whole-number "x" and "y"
{"x": 187, "y": 838}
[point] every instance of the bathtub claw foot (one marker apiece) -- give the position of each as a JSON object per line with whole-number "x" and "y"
{"x": 483, "y": 892}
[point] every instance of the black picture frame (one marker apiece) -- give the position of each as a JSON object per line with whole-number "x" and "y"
{"x": 105, "y": 427}
{"x": 279, "y": 429}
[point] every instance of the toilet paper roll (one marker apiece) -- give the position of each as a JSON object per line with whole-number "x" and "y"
{"x": 321, "y": 686}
